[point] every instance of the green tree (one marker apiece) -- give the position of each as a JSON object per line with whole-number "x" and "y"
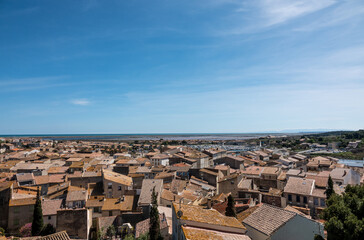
{"x": 110, "y": 231}
{"x": 330, "y": 188}
{"x": 318, "y": 237}
{"x": 37, "y": 224}
{"x": 2, "y": 231}
{"x": 344, "y": 214}
{"x": 230, "y": 209}
{"x": 154, "y": 228}
{"x": 100, "y": 234}
{"x": 48, "y": 229}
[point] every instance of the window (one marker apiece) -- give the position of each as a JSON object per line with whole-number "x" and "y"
{"x": 289, "y": 197}
{"x": 315, "y": 200}
{"x": 298, "y": 199}
{"x": 322, "y": 201}
{"x": 304, "y": 199}
{"x": 110, "y": 213}
{"x": 109, "y": 186}
{"x": 119, "y": 187}
{"x": 49, "y": 217}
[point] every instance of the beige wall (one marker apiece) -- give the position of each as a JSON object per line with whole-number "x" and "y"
{"x": 114, "y": 191}
{"x": 50, "y": 219}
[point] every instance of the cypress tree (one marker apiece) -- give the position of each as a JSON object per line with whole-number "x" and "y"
{"x": 37, "y": 224}
{"x": 330, "y": 188}
{"x": 230, "y": 209}
{"x": 154, "y": 228}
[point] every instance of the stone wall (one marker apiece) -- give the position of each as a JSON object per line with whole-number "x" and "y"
{"x": 77, "y": 222}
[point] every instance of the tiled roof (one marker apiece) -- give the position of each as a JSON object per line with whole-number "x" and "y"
{"x": 23, "y": 177}
{"x": 339, "y": 173}
{"x": 319, "y": 181}
{"x": 76, "y": 194}
{"x": 268, "y": 219}
{"x": 5, "y": 185}
{"x": 40, "y": 180}
{"x": 167, "y": 195}
{"x": 163, "y": 175}
{"x": 178, "y": 185}
{"x": 21, "y": 202}
{"x": 204, "y": 170}
{"x": 57, "y": 178}
{"x": 301, "y": 186}
{"x": 56, "y": 236}
{"x": 253, "y": 170}
{"x": 147, "y": 188}
{"x": 62, "y": 169}
{"x": 105, "y": 222}
{"x": 270, "y": 170}
{"x": 292, "y": 209}
{"x": 118, "y": 178}
{"x": 192, "y": 233}
{"x": 244, "y": 214}
{"x": 319, "y": 193}
{"x": 95, "y": 201}
{"x": 209, "y": 216}
{"x": 245, "y": 184}
{"x": 50, "y": 207}
{"x": 125, "y": 204}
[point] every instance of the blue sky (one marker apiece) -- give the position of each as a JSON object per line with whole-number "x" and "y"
{"x": 135, "y": 66}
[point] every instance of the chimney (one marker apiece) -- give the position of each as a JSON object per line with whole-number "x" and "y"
{"x": 209, "y": 203}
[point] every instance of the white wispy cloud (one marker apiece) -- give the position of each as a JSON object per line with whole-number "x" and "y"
{"x": 32, "y": 83}
{"x": 280, "y": 11}
{"x": 342, "y": 13}
{"x": 81, "y": 102}
{"x": 258, "y": 15}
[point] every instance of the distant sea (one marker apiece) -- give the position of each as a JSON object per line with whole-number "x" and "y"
{"x": 167, "y": 136}
{"x": 352, "y": 163}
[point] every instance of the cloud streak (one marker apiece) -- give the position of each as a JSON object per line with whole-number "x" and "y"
{"x": 80, "y": 102}
{"x": 280, "y": 11}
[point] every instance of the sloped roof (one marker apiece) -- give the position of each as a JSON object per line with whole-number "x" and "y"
{"x": 76, "y": 194}
{"x": 292, "y": 209}
{"x": 245, "y": 184}
{"x": 56, "y": 236}
{"x": 21, "y": 202}
{"x": 244, "y": 214}
{"x": 24, "y": 177}
{"x": 147, "y": 188}
{"x": 50, "y": 207}
{"x": 268, "y": 219}
{"x": 117, "y": 177}
{"x": 192, "y": 233}
{"x": 301, "y": 186}
{"x": 209, "y": 216}
{"x": 116, "y": 204}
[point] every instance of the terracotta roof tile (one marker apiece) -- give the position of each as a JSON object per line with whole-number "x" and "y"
{"x": 265, "y": 220}
{"x": 209, "y": 216}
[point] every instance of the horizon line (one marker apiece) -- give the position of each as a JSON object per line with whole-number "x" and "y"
{"x": 293, "y": 131}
